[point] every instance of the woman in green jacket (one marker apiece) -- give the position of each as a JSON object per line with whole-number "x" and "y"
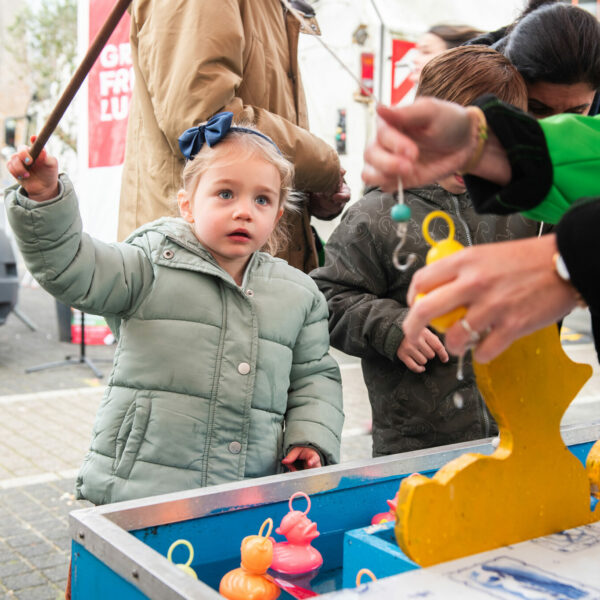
{"x": 222, "y": 369}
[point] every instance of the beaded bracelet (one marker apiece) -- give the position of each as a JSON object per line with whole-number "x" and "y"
{"x": 482, "y": 136}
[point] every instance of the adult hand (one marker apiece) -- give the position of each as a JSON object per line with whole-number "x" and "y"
{"x": 415, "y": 355}
{"x": 304, "y": 454}
{"x": 328, "y": 206}
{"x": 40, "y": 178}
{"x": 427, "y": 141}
{"x": 510, "y": 289}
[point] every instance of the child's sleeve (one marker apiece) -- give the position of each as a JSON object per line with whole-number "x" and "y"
{"x": 93, "y": 276}
{"x": 314, "y": 414}
{"x": 358, "y": 280}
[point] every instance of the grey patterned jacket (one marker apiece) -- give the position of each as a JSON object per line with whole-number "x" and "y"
{"x": 367, "y": 304}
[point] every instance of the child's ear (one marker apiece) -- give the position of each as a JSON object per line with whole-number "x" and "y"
{"x": 185, "y": 207}
{"x": 279, "y": 214}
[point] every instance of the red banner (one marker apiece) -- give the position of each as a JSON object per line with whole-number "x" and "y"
{"x": 109, "y": 90}
{"x": 401, "y": 69}
{"x": 367, "y": 69}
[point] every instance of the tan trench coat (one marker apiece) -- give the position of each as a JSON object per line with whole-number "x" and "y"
{"x": 194, "y": 58}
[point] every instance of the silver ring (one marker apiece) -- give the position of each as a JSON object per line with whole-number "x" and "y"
{"x": 474, "y": 336}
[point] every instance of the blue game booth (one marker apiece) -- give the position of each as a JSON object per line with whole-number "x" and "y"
{"x": 119, "y": 550}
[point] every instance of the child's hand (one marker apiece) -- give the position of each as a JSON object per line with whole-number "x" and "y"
{"x": 309, "y": 456}
{"x": 415, "y": 356}
{"x": 40, "y": 179}
{"x": 327, "y": 206}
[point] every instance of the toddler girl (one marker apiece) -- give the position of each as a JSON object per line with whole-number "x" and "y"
{"x": 222, "y": 367}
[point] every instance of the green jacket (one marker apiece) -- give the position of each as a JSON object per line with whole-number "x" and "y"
{"x": 211, "y": 382}
{"x": 554, "y": 162}
{"x": 367, "y": 306}
{"x": 575, "y": 166}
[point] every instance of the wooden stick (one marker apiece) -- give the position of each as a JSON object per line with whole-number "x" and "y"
{"x": 80, "y": 74}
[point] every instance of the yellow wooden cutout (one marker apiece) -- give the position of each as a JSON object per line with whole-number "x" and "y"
{"x": 532, "y": 485}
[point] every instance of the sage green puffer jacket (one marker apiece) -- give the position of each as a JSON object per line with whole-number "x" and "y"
{"x": 211, "y": 382}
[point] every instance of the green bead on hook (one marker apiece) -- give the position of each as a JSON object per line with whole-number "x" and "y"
{"x": 400, "y": 213}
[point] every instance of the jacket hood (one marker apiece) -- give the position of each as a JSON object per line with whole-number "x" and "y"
{"x": 171, "y": 227}
{"x": 438, "y": 197}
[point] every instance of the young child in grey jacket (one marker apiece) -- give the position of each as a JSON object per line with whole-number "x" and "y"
{"x": 412, "y": 387}
{"x": 222, "y": 369}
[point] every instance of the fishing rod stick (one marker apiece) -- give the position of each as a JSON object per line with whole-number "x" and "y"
{"x": 340, "y": 62}
{"x": 80, "y": 74}
{"x": 347, "y": 70}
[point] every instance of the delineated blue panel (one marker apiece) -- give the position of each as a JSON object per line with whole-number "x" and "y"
{"x": 373, "y": 548}
{"x": 91, "y": 579}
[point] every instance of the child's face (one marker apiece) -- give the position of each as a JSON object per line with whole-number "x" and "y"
{"x": 234, "y": 208}
{"x": 454, "y": 184}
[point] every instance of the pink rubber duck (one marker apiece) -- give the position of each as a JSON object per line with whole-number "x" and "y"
{"x": 296, "y": 555}
{"x": 388, "y": 516}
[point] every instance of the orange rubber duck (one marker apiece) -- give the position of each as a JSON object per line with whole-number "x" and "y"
{"x": 296, "y": 555}
{"x": 249, "y": 581}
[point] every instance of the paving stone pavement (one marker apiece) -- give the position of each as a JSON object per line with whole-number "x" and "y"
{"x": 45, "y": 424}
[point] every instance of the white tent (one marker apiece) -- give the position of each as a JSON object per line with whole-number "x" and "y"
{"x": 329, "y": 88}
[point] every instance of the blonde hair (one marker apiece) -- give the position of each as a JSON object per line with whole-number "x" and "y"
{"x": 252, "y": 145}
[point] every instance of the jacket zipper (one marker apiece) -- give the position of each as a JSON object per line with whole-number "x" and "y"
{"x": 462, "y": 221}
{"x": 482, "y": 406}
{"x": 214, "y": 392}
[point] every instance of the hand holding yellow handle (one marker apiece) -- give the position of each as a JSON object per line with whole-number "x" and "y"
{"x": 439, "y": 250}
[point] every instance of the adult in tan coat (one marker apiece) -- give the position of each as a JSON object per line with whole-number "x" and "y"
{"x": 194, "y": 58}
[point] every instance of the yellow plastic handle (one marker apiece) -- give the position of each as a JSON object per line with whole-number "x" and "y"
{"x": 181, "y": 543}
{"x": 364, "y": 572}
{"x": 185, "y": 567}
{"x": 437, "y": 214}
{"x": 268, "y": 522}
{"x": 441, "y": 249}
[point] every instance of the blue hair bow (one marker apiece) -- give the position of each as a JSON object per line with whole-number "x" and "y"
{"x": 211, "y": 133}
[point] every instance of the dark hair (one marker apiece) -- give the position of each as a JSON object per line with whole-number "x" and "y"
{"x": 558, "y": 43}
{"x": 454, "y": 35}
{"x": 463, "y": 74}
{"x": 534, "y": 5}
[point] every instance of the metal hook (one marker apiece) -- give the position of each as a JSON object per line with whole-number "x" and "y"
{"x": 401, "y": 214}
{"x": 409, "y": 259}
